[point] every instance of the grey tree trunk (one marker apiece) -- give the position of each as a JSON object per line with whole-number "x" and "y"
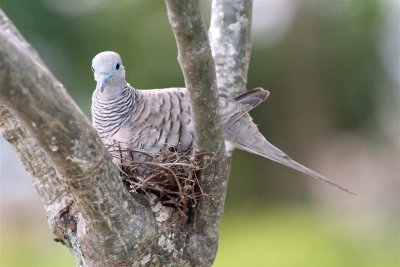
{"x": 89, "y": 209}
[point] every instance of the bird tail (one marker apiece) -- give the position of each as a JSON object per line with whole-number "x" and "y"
{"x": 267, "y": 150}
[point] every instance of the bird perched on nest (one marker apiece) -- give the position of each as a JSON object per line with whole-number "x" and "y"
{"x": 144, "y": 122}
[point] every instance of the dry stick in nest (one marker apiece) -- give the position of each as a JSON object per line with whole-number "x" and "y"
{"x": 171, "y": 176}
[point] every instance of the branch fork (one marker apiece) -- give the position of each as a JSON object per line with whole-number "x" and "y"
{"x": 88, "y": 207}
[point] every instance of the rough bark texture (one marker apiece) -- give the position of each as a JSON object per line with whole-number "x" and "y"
{"x": 44, "y": 177}
{"x": 107, "y": 212}
{"x": 88, "y": 207}
{"x": 194, "y": 55}
{"x": 45, "y": 180}
{"x": 230, "y": 38}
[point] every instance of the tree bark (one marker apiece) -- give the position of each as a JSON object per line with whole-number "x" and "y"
{"x": 107, "y": 212}
{"x": 230, "y": 39}
{"x": 45, "y": 180}
{"x": 88, "y": 207}
{"x": 194, "y": 56}
{"x": 36, "y": 162}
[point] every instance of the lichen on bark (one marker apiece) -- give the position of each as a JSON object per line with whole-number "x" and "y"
{"x": 88, "y": 208}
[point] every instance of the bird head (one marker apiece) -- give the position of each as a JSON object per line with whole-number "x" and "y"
{"x": 108, "y": 70}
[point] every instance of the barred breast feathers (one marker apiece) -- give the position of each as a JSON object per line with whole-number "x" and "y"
{"x": 108, "y": 115}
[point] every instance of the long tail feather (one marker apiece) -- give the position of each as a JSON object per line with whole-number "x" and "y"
{"x": 271, "y": 152}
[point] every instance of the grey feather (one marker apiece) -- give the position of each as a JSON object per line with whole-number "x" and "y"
{"x": 150, "y": 120}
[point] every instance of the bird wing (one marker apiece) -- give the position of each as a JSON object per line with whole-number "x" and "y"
{"x": 233, "y": 109}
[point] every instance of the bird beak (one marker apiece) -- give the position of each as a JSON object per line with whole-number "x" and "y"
{"x": 102, "y": 81}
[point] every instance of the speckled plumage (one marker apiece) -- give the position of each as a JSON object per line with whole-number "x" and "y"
{"x": 151, "y": 120}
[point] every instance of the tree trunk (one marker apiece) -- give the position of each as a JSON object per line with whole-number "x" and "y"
{"x": 89, "y": 209}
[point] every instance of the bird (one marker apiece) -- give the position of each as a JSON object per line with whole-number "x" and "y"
{"x": 148, "y": 121}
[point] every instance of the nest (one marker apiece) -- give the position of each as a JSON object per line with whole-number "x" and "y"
{"x": 170, "y": 175}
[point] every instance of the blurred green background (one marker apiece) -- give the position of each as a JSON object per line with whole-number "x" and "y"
{"x": 332, "y": 68}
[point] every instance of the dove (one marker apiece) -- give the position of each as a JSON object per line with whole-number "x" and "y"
{"x": 142, "y": 123}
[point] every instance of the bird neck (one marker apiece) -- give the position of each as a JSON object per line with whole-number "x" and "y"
{"x": 111, "y": 111}
{"x": 112, "y": 90}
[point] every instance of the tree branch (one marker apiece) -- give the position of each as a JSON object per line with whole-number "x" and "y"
{"x": 44, "y": 179}
{"x": 69, "y": 164}
{"x": 230, "y": 39}
{"x": 194, "y": 56}
{"x": 109, "y": 215}
{"x": 11, "y": 129}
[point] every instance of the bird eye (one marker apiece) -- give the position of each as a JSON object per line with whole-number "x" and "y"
{"x": 92, "y": 69}
{"x": 117, "y": 66}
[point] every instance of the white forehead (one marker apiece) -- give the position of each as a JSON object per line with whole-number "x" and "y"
{"x": 105, "y": 61}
